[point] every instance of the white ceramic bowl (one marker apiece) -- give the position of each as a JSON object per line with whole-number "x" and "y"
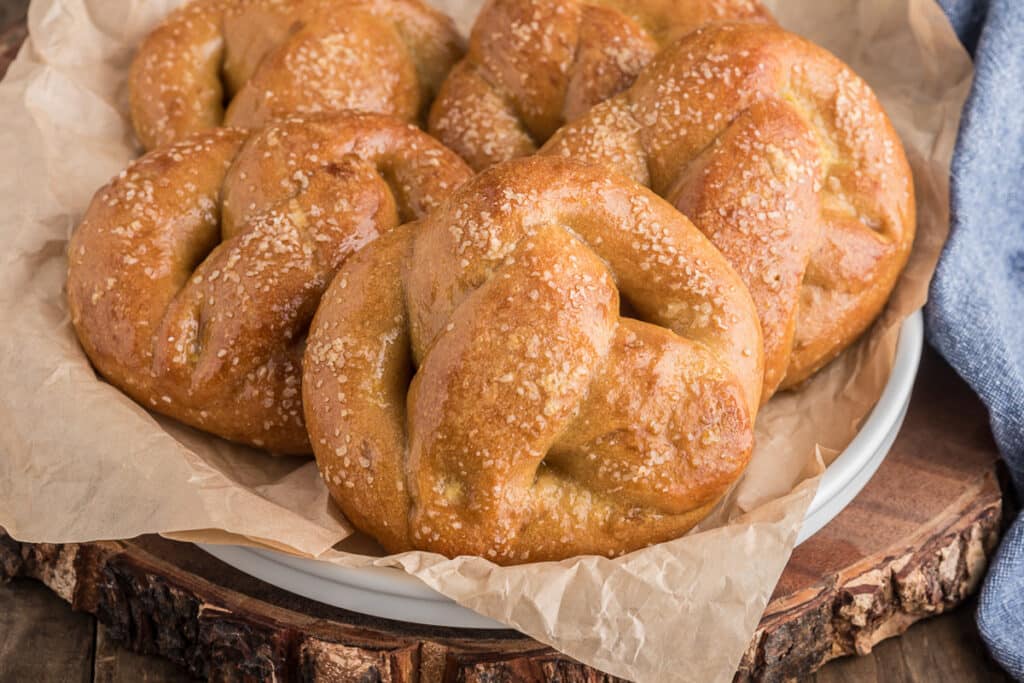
{"x": 392, "y": 594}
{"x": 852, "y": 469}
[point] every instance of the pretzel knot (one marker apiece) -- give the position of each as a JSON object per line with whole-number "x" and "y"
{"x": 273, "y": 58}
{"x": 555, "y": 362}
{"x": 533, "y": 65}
{"x": 784, "y": 158}
{"x": 195, "y": 273}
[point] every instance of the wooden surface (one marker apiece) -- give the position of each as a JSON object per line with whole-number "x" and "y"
{"x": 912, "y": 545}
{"x": 12, "y": 30}
{"x": 946, "y": 648}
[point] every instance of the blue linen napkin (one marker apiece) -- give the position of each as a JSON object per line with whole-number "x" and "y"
{"x": 975, "y": 313}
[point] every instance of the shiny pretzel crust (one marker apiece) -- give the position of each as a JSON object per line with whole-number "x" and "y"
{"x": 533, "y": 65}
{"x": 273, "y": 58}
{"x": 195, "y": 273}
{"x": 784, "y": 158}
{"x": 555, "y": 362}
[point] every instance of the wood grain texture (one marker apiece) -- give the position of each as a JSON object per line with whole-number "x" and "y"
{"x": 40, "y": 639}
{"x": 114, "y": 663}
{"x": 914, "y": 543}
{"x": 947, "y": 648}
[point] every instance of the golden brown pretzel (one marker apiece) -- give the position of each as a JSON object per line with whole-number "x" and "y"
{"x": 532, "y": 65}
{"x": 784, "y": 158}
{"x": 272, "y": 58}
{"x": 195, "y": 272}
{"x": 471, "y": 386}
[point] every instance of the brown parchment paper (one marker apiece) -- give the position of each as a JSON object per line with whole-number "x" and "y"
{"x": 79, "y": 461}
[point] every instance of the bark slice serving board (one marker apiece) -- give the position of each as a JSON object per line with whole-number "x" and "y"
{"x": 914, "y": 543}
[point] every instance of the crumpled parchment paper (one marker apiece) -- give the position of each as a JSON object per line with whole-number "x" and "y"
{"x": 79, "y": 461}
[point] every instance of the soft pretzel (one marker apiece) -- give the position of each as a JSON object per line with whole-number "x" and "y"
{"x": 784, "y": 158}
{"x": 195, "y": 273}
{"x": 554, "y": 362}
{"x": 533, "y": 65}
{"x": 272, "y": 58}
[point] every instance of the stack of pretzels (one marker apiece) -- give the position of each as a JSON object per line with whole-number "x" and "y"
{"x": 680, "y": 210}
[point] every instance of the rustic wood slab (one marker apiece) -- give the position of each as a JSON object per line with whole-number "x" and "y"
{"x": 913, "y": 544}
{"x": 946, "y": 649}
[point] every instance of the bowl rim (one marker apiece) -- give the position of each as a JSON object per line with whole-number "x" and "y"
{"x": 391, "y": 593}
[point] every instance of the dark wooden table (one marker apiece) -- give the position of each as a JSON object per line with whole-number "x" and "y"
{"x": 43, "y": 639}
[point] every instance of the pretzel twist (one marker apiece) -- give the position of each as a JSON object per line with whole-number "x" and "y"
{"x": 784, "y": 158}
{"x": 273, "y": 58}
{"x": 533, "y": 65}
{"x": 472, "y": 387}
{"x": 195, "y": 273}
